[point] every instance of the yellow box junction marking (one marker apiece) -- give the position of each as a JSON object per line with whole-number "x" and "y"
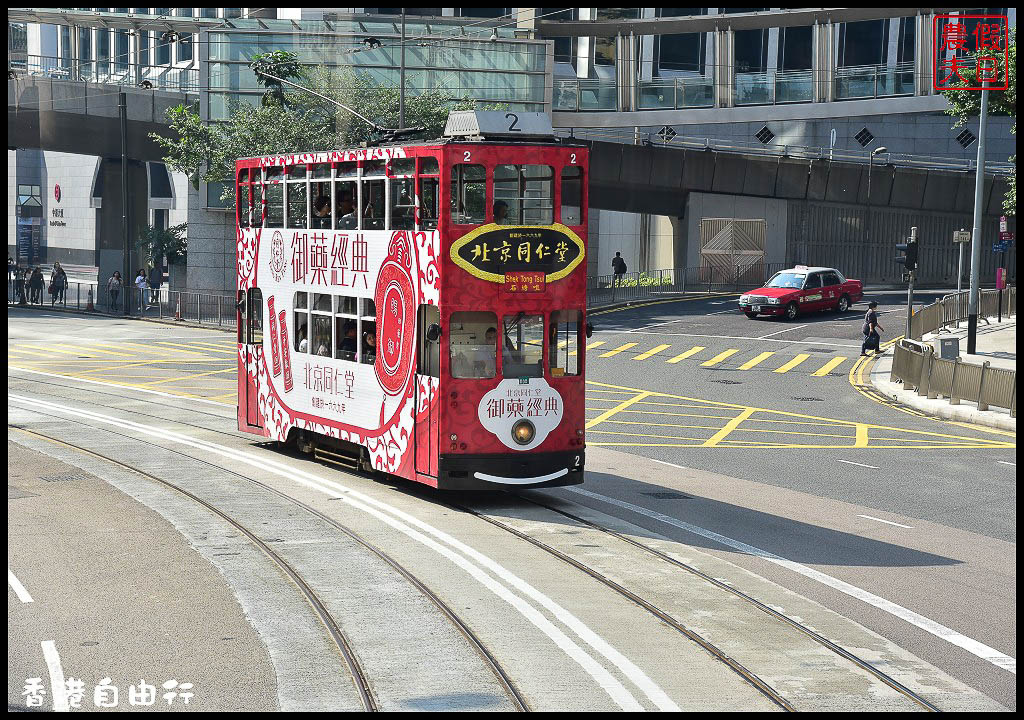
{"x": 729, "y": 427}
{"x": 649, "y": 353}
{"x": 792, "y": 363}
{"x": 682, "y": 356}
{"x": 718, "y": 358}
{"x": 618, "y": 408}
{"x": 617, "y": 350}
{"x": 759, "y": 359}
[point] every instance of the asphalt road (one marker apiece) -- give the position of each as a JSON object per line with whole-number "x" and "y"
{"x": 917, "y": 467}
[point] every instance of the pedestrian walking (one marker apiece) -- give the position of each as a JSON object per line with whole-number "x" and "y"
{"x": 114, "y": 291}
{"x": 58, "y": 285}
{"x": 156, "y": 279}
{"x": 141, "y": 284}
{"x": 19, "y": 286}
{"x": 36, "y": 286}
{"x": 871, "y": 330}
{"x": 12, "y": 271}
{"x": 619, "y": 269}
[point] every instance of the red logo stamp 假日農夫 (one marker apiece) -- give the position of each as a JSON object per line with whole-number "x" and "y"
{"x": 972, "y": 52}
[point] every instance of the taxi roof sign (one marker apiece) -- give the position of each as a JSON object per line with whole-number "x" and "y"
{"x": 482, "y": 124}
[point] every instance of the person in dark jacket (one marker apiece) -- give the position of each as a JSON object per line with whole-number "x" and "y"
{"x": 156, "y": 279}
{"x": 36, "y": 286}
{"x": 871, "y": 330}
{"x": 58, "y": 285}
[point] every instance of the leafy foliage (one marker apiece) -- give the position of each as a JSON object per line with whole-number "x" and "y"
{"x": 290, "y": 120}
{"x": 172, "y": 243}
{"x": 966, "y": 105}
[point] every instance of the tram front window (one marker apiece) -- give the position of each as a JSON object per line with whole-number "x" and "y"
{"x": 523, "y": 346}
{"x": 472, "y": 342}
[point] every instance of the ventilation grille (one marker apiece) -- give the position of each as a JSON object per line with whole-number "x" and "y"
{"x": 764, "y": 135}
{"x": 864, "y": 137}
{"x": 966, "y": 138}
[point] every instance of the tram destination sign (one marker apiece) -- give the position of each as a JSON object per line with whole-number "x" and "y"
{"x": 498, "y": 252}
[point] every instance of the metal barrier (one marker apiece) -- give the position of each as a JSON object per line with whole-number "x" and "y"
{"x": 952, "y": 309}
{"x": 605, "y": 289}
{"x": 917, "y": 367}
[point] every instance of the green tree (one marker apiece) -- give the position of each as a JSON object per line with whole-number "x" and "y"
{"x": 303, "y": 122}
{"x": 281, "y": 64}
{"x": 965, "y": 105}
{"x": 154, "y": 244}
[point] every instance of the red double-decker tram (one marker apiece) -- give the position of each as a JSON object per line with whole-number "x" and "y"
{"x": 420, "y": 309}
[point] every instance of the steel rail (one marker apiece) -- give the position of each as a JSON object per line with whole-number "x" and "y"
{"x": 737, "y": 667}
{"x": 499, "y": 672}
{"x": 839, "y": 650}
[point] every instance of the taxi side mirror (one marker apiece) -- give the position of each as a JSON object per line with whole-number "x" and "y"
{"x": 590, "y": 329}
{"x": 433, "y": 332}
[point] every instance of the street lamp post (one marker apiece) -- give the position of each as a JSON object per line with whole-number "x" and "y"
{"x": 871, "y": 158}
{"x": 401, "y": 80}
{"x": 979, "y": 183}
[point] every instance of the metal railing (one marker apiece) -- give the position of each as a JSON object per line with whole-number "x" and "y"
{"x": 952, "y": 309}
{"x": 917, "y": 367}
{"x": 873, "y": 81}
{"x": 112, "y": 71}
{"x": 605, "y": 289}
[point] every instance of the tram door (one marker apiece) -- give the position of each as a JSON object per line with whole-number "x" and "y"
{"x": 428, "y": 372}
{"x": 253, "y": 349}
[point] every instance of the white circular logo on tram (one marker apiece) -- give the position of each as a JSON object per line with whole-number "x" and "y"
{"x": 513, "y": 409}
{"x": 277, "y": 263}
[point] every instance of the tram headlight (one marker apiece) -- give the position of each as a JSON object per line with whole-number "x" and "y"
{"x": 523, "y": 432}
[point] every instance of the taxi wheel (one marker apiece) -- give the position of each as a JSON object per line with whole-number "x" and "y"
{"x": 792, "y": 311}
{"x": 843, "y": 305}
{"x": 751, "y": 315}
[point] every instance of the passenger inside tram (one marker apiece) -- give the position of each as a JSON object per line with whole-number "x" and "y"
{"x": 369, "y": 344}
{"x": 347, "y": 213}
{"x": 321, "y": 212}
{"x": 501, "y": 213}
{"x": 347, "y": 345}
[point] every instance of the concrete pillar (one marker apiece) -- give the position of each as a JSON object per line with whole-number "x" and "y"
{"x": 625, "y": 71}
{"x": 526, "y": 19}
{"x": 109, "y": 237}
{"x": 725, "y": 67}
{"x": 646, "y": 69}
{"x": 823, "y": 61}
{"x": 924, "y": 52}
{"x": 585, "y": 47}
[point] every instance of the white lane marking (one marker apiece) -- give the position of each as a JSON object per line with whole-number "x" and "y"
{"x": 1003, "y": 462}
{"x": 781, "y": 331}
{"x": 887, "y": 522}
{"x": 938, "y": 630}
{"x": 126, "y": 387}
{"x": 851, "y": 462}
{"x": 722, "y": 312}
{"x": 58, "y": 693}
{"x": 18, "y": 588}
{"x": 823, "y": 343}
{"x": 402, "y": 522}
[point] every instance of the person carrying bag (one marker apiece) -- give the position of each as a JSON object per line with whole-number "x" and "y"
{"x": 871, "y": 330}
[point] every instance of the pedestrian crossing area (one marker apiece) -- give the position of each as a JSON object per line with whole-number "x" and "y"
{"x": 816, "y": 362}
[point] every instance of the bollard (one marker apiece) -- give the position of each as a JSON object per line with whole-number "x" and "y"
{"x": 981, "y": 386}
{"x": 177, "y": 312}
{"x": 89, "y": 307}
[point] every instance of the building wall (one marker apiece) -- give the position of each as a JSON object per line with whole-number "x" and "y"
{"x": 737, "y": 207}
{"x": 211, "y": 248}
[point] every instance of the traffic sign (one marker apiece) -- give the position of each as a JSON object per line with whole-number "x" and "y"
{"x": 1005, "y": 236}
{"x": 1002, "y": 223}
{"x": 961, "y": 236}
{"x": 1000, "y": 247}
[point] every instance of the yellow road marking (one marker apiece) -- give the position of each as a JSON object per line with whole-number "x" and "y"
{"x": 719, "y": 358}
{"x": 729, "y": 427}
{"x": 233, "y": 393}
{"x": 91, "y": 349}
{"x": 232, "y": 348}
{"x": 617, "y": 350}
{"x": 739, "y": 429}
{"x": 599, "y": 343}
{"x": 792, "y": 363}
{"x": 649, "y": 353}
{"x": 206, "y": 348}
{"x": 682, "y": 356}
{"x": 829, "y": 367}
{"x": 67, "y": 352}
{"x": 759, "y": 359}
{"x": 190, "y": 377}
{"x": 188, "y": 348}
{"x": 29, "y": 352}
{"x": 618, "y": 408}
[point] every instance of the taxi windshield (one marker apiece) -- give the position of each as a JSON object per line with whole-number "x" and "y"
{"x": 787, "y": 280}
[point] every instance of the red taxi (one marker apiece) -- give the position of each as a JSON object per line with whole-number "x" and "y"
{"x": 800, "y": 290}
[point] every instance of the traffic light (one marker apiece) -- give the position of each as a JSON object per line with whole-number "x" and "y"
{"x": 909, "y": 257}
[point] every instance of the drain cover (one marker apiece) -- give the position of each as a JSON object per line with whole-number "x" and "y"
{"x": 667, "y": 495}
{"x": 809, "y": 399}
{"x": 63, "y": 477}
{"x": 727, "y": 382}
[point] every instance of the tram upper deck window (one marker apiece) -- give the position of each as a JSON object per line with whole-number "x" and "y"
{"x": 528, "y": 192}
{"x": 564, "y": 343}
{"x": 243, "y": 196}
{"x": 273, "y": 194}
{"x": 402, "y": 204}
{"x": 373, "y": 204}
{"x": 346, "y": 196}
{"x": 298, "y": 209}
{"x": 469, "y": 194}
{"x": 472, "y": 344}
{"x": 400, "y": 167}
{"x": 320, "y": 196}
{"x": 522, "y": 346}
{"x": 572, "y": 195}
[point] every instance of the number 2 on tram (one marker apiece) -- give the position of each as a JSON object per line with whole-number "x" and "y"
{"x": 418, "y": 310}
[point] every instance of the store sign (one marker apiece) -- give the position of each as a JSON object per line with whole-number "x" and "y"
{"x": 495, "y": 252}
{"x": 972, "y": 52}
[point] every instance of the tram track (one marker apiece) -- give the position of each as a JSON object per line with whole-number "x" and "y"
{"x": 359, "y": 678}
{"x": 762, "y": 687}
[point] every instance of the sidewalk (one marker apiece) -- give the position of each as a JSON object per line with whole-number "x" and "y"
{"x": 996, "y": 344}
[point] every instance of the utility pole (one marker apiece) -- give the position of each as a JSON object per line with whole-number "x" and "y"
{"x": 122, "y": 107}
{"x": 401, "y": 80}
{"x": 979, "y": 184}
